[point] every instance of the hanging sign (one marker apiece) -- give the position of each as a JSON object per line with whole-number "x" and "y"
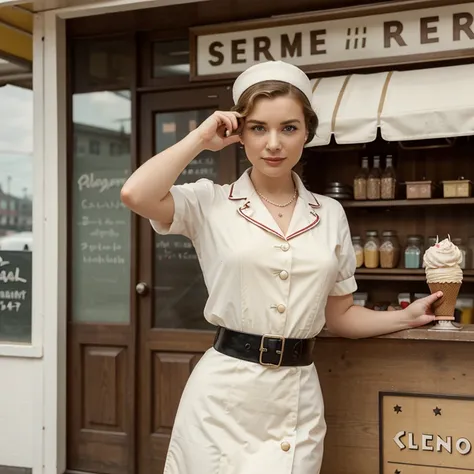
{"x": 328, "y": 41}
{"x": 428, "y": 434}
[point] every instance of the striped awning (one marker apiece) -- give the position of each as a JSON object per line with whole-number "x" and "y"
{"x": 403, "y": 105}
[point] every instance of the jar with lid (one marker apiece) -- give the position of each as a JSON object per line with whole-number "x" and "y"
{"x": 358, "y": 250}
{"x": 389, "y": 249}
{"x": 463, "y": 249}
{"x": 371, "y": 249}
{"x": 414, "y": 252}
{"x": 373, "y": 180}
{"x": 388, "y": 184}
{"x": 360, "y": 181}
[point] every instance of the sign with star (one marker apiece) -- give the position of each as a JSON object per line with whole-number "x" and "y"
{"x": 426, "y": 434}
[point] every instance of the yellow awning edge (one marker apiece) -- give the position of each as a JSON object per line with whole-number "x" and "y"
{"x": 16, "y": 33}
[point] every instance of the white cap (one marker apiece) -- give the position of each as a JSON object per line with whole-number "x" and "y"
{"x": 272, "y": 71}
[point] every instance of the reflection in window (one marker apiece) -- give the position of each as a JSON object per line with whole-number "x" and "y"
{"x": 16, "y": 190}
{"x": 100, "y": 222}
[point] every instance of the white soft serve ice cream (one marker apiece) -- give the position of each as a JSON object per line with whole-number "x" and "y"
{"x": 442, "y": 263}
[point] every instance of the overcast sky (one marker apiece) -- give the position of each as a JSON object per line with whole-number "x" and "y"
{"x": 101, "y": 109}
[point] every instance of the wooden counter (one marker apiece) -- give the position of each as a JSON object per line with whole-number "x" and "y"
{"x": 464, "y": 334}
{"x": 354, "y": 371}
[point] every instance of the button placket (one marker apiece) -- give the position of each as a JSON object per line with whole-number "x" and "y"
{"x": 283, "y": 259}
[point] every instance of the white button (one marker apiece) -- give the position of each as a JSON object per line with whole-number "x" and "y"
{"x": 285, "y": 446}
{"x": 285, "y": 247}
{"x": 283, "y": 275}
{"x": 281, "y": 308}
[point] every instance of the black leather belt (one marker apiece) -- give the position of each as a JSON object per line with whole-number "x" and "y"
{"x": 269, "y": 350}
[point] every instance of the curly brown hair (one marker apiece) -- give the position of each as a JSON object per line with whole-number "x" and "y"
{"x": 271, "y": 89}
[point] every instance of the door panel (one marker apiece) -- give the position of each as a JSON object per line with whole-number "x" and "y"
{"x": 100, "y": 425}
{"x": 172, "y": 331}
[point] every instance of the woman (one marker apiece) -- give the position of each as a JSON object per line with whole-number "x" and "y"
{"x": 278, "y": 264}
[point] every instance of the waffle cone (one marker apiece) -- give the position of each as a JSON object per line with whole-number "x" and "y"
{"x": 444, "y": 307}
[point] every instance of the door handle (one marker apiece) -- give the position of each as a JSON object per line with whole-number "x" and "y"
{"x": 141, "y": 288}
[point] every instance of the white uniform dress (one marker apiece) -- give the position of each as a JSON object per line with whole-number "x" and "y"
{"x": 238, "y": 417}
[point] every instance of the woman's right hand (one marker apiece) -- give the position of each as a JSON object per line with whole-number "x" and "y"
{"x": 215, "y": 133}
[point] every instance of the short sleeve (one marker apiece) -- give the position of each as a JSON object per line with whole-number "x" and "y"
{"x": 191, "y": 204}
{"x": 345, "y": 281}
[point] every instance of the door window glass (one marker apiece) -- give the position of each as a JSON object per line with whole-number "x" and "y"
{"x": 180, "y": 293}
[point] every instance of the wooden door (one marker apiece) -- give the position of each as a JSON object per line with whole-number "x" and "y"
{"x": 172, "y": 331}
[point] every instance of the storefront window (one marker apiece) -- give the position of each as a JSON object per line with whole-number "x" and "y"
{"x": 100, "y": 222}
{"x": 171, "y": 58}
{"x": 16, "y": 191}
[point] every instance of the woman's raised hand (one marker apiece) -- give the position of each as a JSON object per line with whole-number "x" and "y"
{"x": 215, "y": 133}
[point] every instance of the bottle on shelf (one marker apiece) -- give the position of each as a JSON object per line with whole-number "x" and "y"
{"x": 360, "y": 181}
{"x": 373, "y": 181}
{"x": 388, "y": 184}
{"x": 414, "y": 252}
{"x": 371, "y": 249}
{"x": 358, "y": 250}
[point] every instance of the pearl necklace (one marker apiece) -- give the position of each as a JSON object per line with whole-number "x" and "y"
{"x": 280, "y": 205}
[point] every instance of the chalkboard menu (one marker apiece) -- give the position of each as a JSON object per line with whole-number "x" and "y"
{"x": 101, "y": 234}
{"x": 15, "y": 296}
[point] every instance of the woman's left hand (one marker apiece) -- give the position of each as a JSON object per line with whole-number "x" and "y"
{"x": 419, "y": 312}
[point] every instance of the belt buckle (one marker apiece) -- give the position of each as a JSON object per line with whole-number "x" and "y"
{"x": 264, "y": 349}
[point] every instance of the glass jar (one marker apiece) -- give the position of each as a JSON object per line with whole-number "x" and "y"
{"x": 373, "y": 180}
{"x": 414, "y": 252}
{"x": 360, "y": 181}
{"x": 463, "y": 249}
{"x": 358, "y": 249}
{"x": 389, "y": 249}
{"x": 371, "y": 249}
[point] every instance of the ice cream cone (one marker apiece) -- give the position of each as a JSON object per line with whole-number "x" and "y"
{"x": 444, "y": 307}
{"x": 442, "y": 263}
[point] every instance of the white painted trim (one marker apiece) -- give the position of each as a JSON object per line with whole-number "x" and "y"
{"x": 39, "y": 233}
{"x": 39, "y": 158}
{"x": 18, "y": 350}
{"x": 54, "y": 126}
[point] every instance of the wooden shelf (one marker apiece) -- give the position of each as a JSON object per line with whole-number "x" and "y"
{"x": 410, "y": 202}
{"x": 401, "y": 274}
